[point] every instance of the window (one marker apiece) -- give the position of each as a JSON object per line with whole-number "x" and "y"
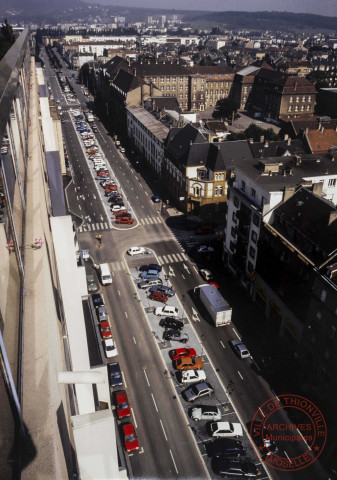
{"x": 181, "y": 87}
{"x": 173, "y": 88}
{"x": 235, "y": 220}
{"x": 196, "y": 191}
{"x": 162, "y": 79}
{"x": 332, "y": 182}
{"x": 181, "y": 79}
{"x": 256, "y": 220}
{"x": 218, "y": 190}
{"x": 162, "y": 88}
{"x": 167, "y": 87}
{"x": 309, "y": 98}
{"x": 302, "y": 108}
{"x": 297, "y": 99}
{"x": 323, "y": 295}
{"x": 180, "y": 95}
{"x": 216, "y": 176}
{"x": 291, "y": 99}
{"x": 254, "y": 236}
{"x": 253, "y": 193}
{"x": 236, "y": 202}
{"x": 290, "y": 108}
{"x": 154, "y": 79}
{"x": 262, "y": 201}
{"x": 173, "y": 79}
{"x": 308, "y": 108}
{"x": 252, "y": 252}
{"x": 233, "y": 232}
{"x": 303, "y": 99}
{"x": 296, "y": 108}
{"x": 243, "y": 186}
{"x": 168, "y": 79}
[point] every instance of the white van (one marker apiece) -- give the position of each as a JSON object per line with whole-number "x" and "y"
{"x": 136, "y": 251}
{"x": 106, "y": 278}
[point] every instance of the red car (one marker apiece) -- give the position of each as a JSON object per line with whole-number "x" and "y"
{"x": 130, "y": 438}
{"x": 214, "y": 283}
{"x": 182, "y": 352}
{"x": 119, "y": 212}
{"x": 204, "y": 229}
{"x": 110, "y": 188}
{"x": 122, "y": 404}
{"x": 159, "y": 297}
{"x": 123, "y": 214}
{"x": 126, "y": 220}
{"x": 105, "y": 330}
{"x": 103, "y": 173}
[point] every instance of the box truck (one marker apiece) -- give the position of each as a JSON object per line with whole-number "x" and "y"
{"x": 104, "y": 270}
{"x": 217, "y": 307}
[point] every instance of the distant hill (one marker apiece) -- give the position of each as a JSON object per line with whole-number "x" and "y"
{"x": 274, "y": 21}
{"x": 59, "y": 11}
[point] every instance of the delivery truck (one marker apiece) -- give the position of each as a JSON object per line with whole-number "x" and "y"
{"x": 105, "y": 274}
{"x": 217, "y": 307}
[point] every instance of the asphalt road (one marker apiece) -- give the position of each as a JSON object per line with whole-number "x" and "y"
{"x": 166, "y": 435}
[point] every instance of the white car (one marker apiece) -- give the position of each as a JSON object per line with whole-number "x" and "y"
{"x": 136, "y": 251}
{"x": 225, "y": 429}
{"x": 192, "y": 376}
{"x": 59, "y": 107}
{"x": 110, "y": 348}
{"x": 206, "y": 274}
{"x": 167, "y": 311}
{"x": 206, "y": 412}
{"x": 115, "y": 208}
{"x": 122, "y": 150}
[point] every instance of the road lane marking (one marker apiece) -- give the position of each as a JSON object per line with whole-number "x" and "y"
{"x": 236, "y": 333}
{"x": 155, "y": 405}
{"x": 223, "y": 346}
{"x": 134, "y": 418}
{"x": 162, "y": 426}
{"x": 174, "y": 463}
{"x": 240, "y": 375}
{"x": 146, "y": 378}
{"x": 126, "y": 314}
{"x": 195, "y": 269}
{"x": 146, "y": 193}
{"x": 119, "y": 293}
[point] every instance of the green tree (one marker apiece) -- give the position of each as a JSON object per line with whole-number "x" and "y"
{"x": 255, "y": 132}
{"x": 224, "y": 108}
{"x": 7, "y": 38}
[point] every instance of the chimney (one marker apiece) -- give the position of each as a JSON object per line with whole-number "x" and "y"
{"x": 307, "y": 131}
{"x": 295, "y": 85}
{"x": 251, "y": 140}
{"x": 289, "y": 141}
{"x": 262, "y": 138}
{"x": 286, "y": 136}
{"x": 322, "y": 130}
{"x": 266, "y": 144}
{"x": 148, "y": 61}
{"x": 134, "y": 72}
{"x": 298, "y": 160}
{"x": 331, "y": 271}
{"x": 288, "y": 192}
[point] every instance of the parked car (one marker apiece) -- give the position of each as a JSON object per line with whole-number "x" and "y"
{"x": 115, "y": 208}
{"x": 206, "y": 274}
{"x": 225, "y": 447}
{"x": 102, "y": 314}
{"x": 155, "y": 266}
{"x": 121, "y": 403}
{"x": 114, "y": 374}
{"x": 158, "y": 297}
{"x": 171, "y": 323}
{"x": 149, "y": 275}
{"x": 197, "y": 391}
{"x": 205, "y": 249}
{"x": 125, "y": 220}
{"x": 225, "y": 429}
{"x": 175, "y": 335}
{"x": 136, "y": 251}
{"x": 130, "y": 439}
{"x": 204, "y": 229}
{"x": 237, "y": 468}
{"x": 122, "y": 150}
{"x": 156, "y": 198}
{"x": 163, "y": 289}
{"x": 182, "y": 353}
{"x": 188, "y": 363}
{"x": 105, "y": 330}
{"x": 205, "y": 412}
{"x": 123, "y": 214}
{"x": 239, "y": 348}
{"x": 168, "y": 310}
{"x": 97, "y": 300}
{"x": 91, "y": 283}
{"x": 191, "y": 376}
{"x": 149, "y": 283}
{"x": 110, "y": 348}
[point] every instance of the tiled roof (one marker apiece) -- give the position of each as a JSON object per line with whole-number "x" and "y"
{"x": 125, "y": 81}
{"x": 298, "y": 85}
{"x": 276, "y": 149}
{"x": 320, "y": 141}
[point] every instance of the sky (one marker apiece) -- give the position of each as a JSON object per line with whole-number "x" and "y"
{"x": 318, "y": 7}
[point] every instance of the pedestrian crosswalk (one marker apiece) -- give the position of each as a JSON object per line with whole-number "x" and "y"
{"x": 188, "y": 240}
{"x": 93, "y": 227}
{"x": 150, "y": 220}
{"x": 162, "y": 259}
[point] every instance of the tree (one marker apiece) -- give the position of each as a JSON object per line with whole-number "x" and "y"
{"x": 255, "y": 132}
{"x": 225, "y": 108}
{"x": 7, "y": 38}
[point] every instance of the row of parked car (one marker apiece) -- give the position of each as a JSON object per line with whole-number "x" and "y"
{"x": 119, "y": 397}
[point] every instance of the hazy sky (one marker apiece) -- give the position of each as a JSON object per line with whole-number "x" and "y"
{"x": 319, "y": 7}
